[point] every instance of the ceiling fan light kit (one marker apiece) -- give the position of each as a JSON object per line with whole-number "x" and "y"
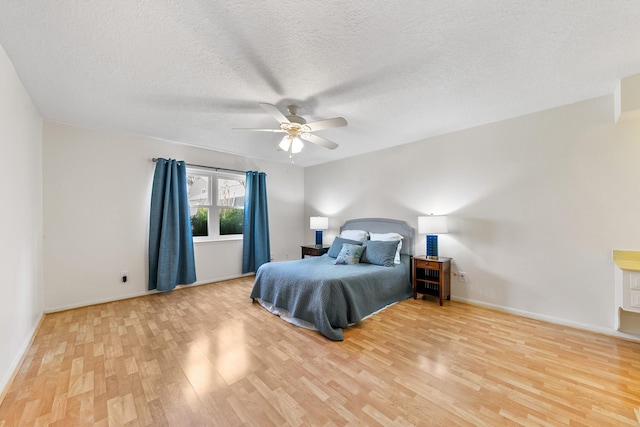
{"x": 297, "y": 129}
{"x": 293, "y": 145}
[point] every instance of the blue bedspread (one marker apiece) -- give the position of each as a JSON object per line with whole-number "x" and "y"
{"x": 329, "y": 296}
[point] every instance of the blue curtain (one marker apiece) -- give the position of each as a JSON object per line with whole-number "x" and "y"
{"x": 171, "y": 260}
{"x": 256, "y": 248}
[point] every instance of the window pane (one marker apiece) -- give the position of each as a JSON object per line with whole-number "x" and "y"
{"x": 199, "y": 221}
{"x": 216, "y": 202}
{"x": 198, "y": 188}
{"x": 231, "y": 221}
{"x": 231, "y": 192}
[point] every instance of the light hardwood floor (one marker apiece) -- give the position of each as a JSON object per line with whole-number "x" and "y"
{"x": 208, "y": 356}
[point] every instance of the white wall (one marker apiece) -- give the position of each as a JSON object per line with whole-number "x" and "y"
{"x": 20, "y": 219}
{"x": 97, "y": 189}
{"x": 538, "y": 203}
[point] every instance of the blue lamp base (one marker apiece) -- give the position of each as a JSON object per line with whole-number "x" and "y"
{"x": 432, "y": 246}
{"x": 318, "y": 238}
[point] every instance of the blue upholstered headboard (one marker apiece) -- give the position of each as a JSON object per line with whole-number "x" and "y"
{"x": 384, "y": 225}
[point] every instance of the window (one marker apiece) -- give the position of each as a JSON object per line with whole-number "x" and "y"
{"x": 216, "y": 202}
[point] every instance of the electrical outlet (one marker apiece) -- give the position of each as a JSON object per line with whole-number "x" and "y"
{"x": 123, "y": 276}
{"x": 462, "y": 277}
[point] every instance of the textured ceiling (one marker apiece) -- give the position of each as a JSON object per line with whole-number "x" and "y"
{"x": 190, "y": 71}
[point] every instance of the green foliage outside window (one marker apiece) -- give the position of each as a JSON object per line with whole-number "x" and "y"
{"x": 231, "y": 221}
{"x": 199, "y": 222}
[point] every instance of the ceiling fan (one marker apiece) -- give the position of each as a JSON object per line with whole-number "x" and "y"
{"x": 297, "y": 129}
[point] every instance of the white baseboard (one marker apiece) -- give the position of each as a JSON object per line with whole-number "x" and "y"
{"x": 12, "y": 370}
{"x": 550, "y": 319}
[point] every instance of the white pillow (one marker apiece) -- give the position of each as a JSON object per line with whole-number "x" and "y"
{"x": 358, "y": 235}
{"x": 387, "y": 237}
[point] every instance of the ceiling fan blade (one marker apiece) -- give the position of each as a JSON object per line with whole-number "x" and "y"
{"x": 319, "y": 140}
{"x": 259, "y": 129}
{"x": 273, "y": 110}
{"x": 327, "y": 124}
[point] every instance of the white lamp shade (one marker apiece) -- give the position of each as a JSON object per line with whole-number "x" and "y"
{"x": 318, "y": 223}
{"x": 284, "y": 143}
{"x": 294, "y": 143}
{"x": 432, "y": 224}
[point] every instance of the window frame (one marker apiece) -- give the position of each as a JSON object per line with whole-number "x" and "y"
{"x": 213, "y": 219}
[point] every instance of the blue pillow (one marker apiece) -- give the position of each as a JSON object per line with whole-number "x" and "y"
{"x": 379, "y": 252}
{"x": 350, "y": 254}
{"x": 336, "y": 246}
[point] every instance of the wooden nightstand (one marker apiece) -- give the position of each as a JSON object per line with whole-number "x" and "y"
{"x": 432, "y": 277}
{"x": 313, "y": 250}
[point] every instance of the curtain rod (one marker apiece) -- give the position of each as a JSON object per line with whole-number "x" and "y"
{"x": 155, "y": 159}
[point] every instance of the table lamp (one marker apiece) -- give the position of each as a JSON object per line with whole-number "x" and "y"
{"x": 319, "y": 223}
{"x": 432, "y": 225}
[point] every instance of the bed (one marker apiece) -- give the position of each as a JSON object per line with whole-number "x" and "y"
{"x": 318, "y": 294}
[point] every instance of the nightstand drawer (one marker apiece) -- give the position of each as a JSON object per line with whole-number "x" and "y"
{"x": 419, "y": 263}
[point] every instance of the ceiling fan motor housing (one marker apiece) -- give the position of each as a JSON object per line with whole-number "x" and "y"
{"x": 296, "y": 119}
{"x": 293, "y": 115}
